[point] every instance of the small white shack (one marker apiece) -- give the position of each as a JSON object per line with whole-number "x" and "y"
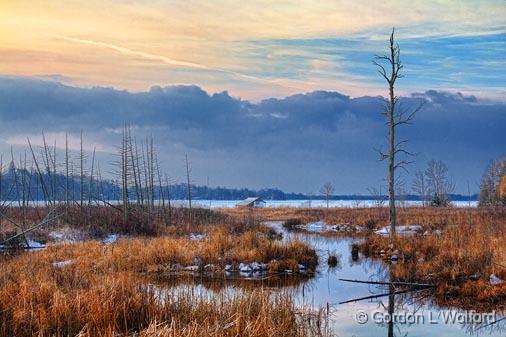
{"x": 251, "y": 202}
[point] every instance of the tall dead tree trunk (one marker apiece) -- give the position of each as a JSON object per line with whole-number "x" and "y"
{"x": 81, "y": 173}
{"x": 395, "y": 116}
{"x": 167, "y": 187}
{"x": 188, "y": 183}
{"x": 66, "y": 176}
{"x": 188, "y": 186}
{"x": 124, "y": 173}
{"x": 1, "y": 176}
{"x": 40, "y": 175}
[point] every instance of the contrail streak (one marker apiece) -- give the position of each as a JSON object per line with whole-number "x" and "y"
{"x": 128, "y": 51}
{"x": 166, "y": 60}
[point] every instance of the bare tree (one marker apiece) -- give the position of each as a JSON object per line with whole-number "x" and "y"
{"x": 167, "y": 188}
{"x": 189, "y": 188}
{"x": 66, "y": 176}
{"x": 327, "y": 190}
{"x": 81, "y": 172}
{"x": 310, "y": 201}
{"x": 39, "y": 173}
{"x": 188, "y": 183}
{"x": 135, "y": 171}
{"x": 396, "y": 116}
{"x": 439, "y": 185}
{"x": 400, "y": 192}
{"x": 91, "y": 178}
{"x": 419, "y": 186}
{"x": 377, "y": 195}
{"x": 123, "y": 152}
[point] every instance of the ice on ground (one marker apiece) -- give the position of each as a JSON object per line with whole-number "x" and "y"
{"x": 67, "y": 235}
{"x": 475, "y": 277}
{"x": 322, "y": 226}
{"x": 258, "y": 266}
{"x": 245, "y": 268}
{"x": 61, "y": 264}
{"x": 196, "y": 237}
{"x": 210, "y": 267}
{"x": 29, "y": 244}
{"x": 35, "y": 244}
{"x": 111, "y": 238}
{"x": 55, "y": 235}
{"x": 192, "y": 268}
{"x": 402, "y": 230}
{"x": 437, "y": 232}
{"x": 494, "y": 280}
{"x": 316, "y": 226}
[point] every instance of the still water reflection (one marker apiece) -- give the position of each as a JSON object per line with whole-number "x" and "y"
{"x": 394, "y": 314}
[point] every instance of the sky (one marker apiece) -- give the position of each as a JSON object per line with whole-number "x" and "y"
{"x": 259, "y": 93}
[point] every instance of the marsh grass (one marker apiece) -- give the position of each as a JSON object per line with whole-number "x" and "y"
{"x": 118, "y": 305}
{"x": 374, "y": 217}
{"x": 98, "y": 221}
{"x": 97, "y": 290}
{"x": 459, "y": 261}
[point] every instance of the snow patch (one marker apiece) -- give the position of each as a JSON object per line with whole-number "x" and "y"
{"x": 55, "y": 235}
{"x": 111, "y": 238}
{"x": 316, "y": 226}
{"x": 245, "y": 268}
{"x": 196, "y": 237}
{"x": 67, "y": 235}
{"x": 494, "y": 280}
{"x": 34, "y": 244}
{"x": 192, "y": 268}
{"x": 61, "y": 264}
{"x": 402, "y": 230}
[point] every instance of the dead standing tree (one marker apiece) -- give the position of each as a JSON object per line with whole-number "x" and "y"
{"x": 419, "y": 187}
{"x": 326, "y": 191}
{"x": 189, "y": 188}
{"x": 389, "y": 67}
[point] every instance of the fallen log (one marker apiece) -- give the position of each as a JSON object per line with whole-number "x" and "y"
{"x": 46, "y": 220}
{"x": 407, "y": 284}
{"x": 381, "y": 295}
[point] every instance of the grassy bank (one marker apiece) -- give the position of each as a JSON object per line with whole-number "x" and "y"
{"x": 457, "y": 249}
{"x": 96, "y": 289}
{"x": 374, "y": 217}
{"x": 98, "y": 221}
{"x": 117, "y": 305}
{"x": 459, "y": 262}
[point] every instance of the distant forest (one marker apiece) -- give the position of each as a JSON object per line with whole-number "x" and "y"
{"x": 20, "y": 184}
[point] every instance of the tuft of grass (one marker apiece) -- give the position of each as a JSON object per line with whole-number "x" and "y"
{"x": 332, "y": 260}
{"x": 291, "y": 224}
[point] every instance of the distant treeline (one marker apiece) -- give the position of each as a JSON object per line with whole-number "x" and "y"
{"x": 21, "y": 184}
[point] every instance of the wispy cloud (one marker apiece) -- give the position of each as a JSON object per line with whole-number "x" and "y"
{"x": 255, "y": 48}
{"x": 170, "y": 61}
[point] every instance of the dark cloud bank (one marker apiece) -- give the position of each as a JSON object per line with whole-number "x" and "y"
{"x": 296, "y": 143}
